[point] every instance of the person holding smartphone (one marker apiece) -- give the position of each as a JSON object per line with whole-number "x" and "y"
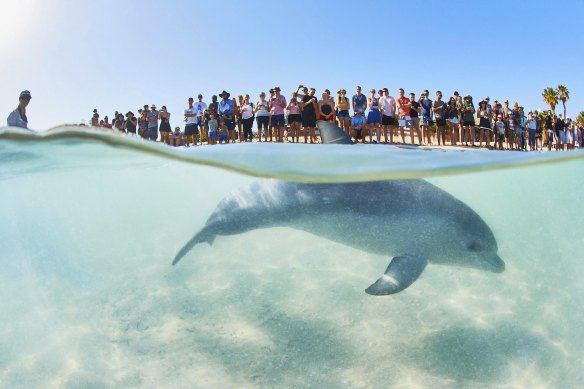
{"x": 277, "y": 106}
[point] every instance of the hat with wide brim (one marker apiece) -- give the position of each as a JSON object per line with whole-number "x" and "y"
{"x": 153, "y": 106}
{"x": 224, "y": 94}
{"x": 129, "y": 113}
{"x": 277, "y": 89}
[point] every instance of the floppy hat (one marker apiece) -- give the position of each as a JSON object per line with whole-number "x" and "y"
{"x": 130, "y": 113}
{"x": 224, "y": 94}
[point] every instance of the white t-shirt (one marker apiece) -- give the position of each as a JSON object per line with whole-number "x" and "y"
{"x": 246, "y": 111}
{"x": 200, "y": 106}
{"x": 191, "y": 119}
{"x": 387, "y": 105}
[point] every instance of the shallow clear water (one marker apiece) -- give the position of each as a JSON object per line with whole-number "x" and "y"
{"x": 90, "y": 224}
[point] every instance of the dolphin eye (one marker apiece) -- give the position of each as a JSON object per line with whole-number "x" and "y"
{"x": 474, "y": 246}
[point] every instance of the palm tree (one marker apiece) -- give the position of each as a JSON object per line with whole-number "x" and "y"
{"x": 550, "y": 97}
{"x": 581, "y": 118}
{"x": 563, "y": 95}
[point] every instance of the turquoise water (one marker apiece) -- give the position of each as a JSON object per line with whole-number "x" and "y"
{"x": 90, "y": 223}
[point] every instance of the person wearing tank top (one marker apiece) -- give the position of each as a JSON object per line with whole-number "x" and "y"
{"x": 373, "y": 117}
{"x": 343, "y": 117}
{"x": 326, "y": 107}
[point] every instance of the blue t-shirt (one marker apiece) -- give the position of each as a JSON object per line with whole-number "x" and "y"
{"x": 153, "y": 114}
{"x": 360, "y": 102}
{"x": 213, "y": 126}
{"x": 358, "y": 121}
{"x": 226, "y": 107}
{"x": 426, "y": 105}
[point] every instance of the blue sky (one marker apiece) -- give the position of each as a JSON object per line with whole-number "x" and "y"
{"x": 75, "y": 56}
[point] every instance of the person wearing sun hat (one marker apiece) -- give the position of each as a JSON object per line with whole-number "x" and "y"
{"x": 131, "y": 123}
{"x": 226, "y": 111}
{"x": 17, "y": 118}
{"x": 152, "y": 132}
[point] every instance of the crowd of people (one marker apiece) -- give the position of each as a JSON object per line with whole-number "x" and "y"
{"x": 377, "y": 118}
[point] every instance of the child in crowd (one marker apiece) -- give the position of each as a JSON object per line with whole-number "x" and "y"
{"x": 212, "y": 127}
{"x": 500, "y": 126}
{"x": 222, "y": 132}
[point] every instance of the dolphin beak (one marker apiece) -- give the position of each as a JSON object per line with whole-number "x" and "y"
{"x": 497, "y": 264}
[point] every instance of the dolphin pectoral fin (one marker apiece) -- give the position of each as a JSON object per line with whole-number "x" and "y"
{"x": 202, "y": 236}
{"x": 401, "y": 273}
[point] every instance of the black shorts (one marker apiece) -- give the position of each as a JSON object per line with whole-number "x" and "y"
{"x": 263, "y": 121}
{"x": 468, "y": 123}
{"x": 387, "y": 121}
{"x": 191, "y": 129}
{"x": 230, "y": 124}
{"x": 309, "y": 120}
{"x": 296, "y": 118}
{"x": 440, "y": 122}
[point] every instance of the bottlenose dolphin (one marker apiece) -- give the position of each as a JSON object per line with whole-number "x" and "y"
{"x": 412, "y": 219}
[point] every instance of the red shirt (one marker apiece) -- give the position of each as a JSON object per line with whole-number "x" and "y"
{"x": 403, "y": 111}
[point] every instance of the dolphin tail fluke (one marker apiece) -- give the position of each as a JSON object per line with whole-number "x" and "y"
{"x": 401, "y": 273}
{"x": 202, "y": 236}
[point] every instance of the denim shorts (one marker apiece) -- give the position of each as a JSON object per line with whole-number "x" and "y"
{"x": 343, "y": 113}
{"x": 278, "y": 120}
{"x": 424, "y": 121}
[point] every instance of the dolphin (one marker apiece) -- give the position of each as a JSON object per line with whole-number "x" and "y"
{"x": 412, "y": 220}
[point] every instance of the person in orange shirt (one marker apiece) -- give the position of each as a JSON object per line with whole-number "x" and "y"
{"x": 403, "y": 111}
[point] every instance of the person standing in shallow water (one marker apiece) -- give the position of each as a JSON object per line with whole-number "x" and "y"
{"x": 308, "y": 106}
{"x": 143, "y": 122}
{"x": 262, "y": 112}
{"x": 17, "y": 118}
{"x": 277, "y": 106}
{"x": 152, "y": 116}
{"x": 373, "y": 117}
{"x": 439, "y": 111}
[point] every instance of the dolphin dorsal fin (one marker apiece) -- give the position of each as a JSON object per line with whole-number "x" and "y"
{"x": 332, "y": 134}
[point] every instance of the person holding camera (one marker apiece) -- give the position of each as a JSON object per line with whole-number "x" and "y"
{"x": 277, "y": 105}
{"x": 165, "y": 128}
{"x": 131, "y": 123}
{"x": 294, "y": 117}
{"x": 246, "y": 108}
{"x": 262, "y": 113}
